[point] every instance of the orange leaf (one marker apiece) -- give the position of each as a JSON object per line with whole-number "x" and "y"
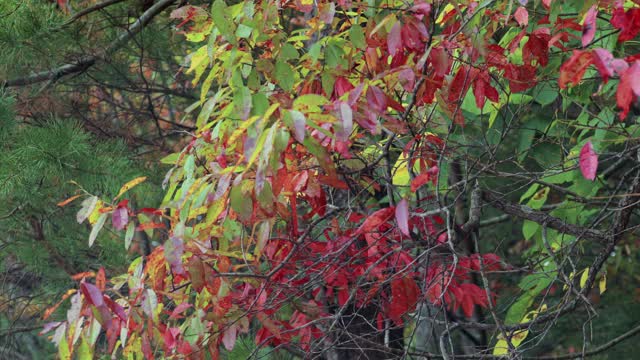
{"x": 150, "y": 225}
{"x": 50, "y": 310}
{"x": 101, "y": 279}
{"x": 82, "y": 275}
{"x": 65, "y": 202}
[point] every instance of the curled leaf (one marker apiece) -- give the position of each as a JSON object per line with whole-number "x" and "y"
{"x": 588, "y": 161}
{"x": 589, "y": 26}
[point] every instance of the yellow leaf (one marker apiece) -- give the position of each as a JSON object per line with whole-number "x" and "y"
{"x": 603, "y": 284}
{"x": 95, "y": 214}
{"x": 199, "y": 63}
{"x": 448, "y": 8}
{"x": 236, "y": 254}
{"x": 126, "y": 187}
{"x": 502, "y": 348}
{"x": 584, "y": 277}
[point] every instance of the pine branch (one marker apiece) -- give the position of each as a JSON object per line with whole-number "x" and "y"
{"x": 92, "y": 9}
{"x": 85, "y": 62}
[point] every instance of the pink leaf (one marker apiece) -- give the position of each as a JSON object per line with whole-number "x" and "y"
{"x": 588, "y": 161}
{"x": 589, "y": 26}
{"x": 49, "y": 326}
{"x": 229, "y": 337}
{"x": 377, "y": 99}
{"x": 602, "y": 59}
{"x": 173, "y": 251}
{"x": 522, "y": 16}
{"x": 402, "y": 216}
{"x": 394, "y": 39}
{"x": 175, "y": 314}
{"x": 92, "y": 294}
{"x": 346, "y": 115}
{"x": 120, "y": 218}
{"x": 299, "y": 123}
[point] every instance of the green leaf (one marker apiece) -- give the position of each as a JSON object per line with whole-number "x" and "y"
{"x": 545, "y": 93}
{"x": 63, "y": 348}
{"x": 356, "y": 34}
{"x": 284, "y": 75}
{"x": 529, "y": 228}
{"x": 84, "y": 351}
{"x": 538, "y": 199}
{"x": 334, "y": 56}
{"x": 328, "y": 81}
{"x": 532, "y": 190}
{"x": 288, "y": 52}
{"x": 243, "y": 31}
{"x": 242, "y": 102}
{"x": 241, "y": 202}
{"x": 97, "y": 227}
{"x": 128, "y": 237}
{"x": 314, "y": 51}
{"x": 221, "y": 20}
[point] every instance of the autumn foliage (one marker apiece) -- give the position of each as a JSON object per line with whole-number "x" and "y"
{"x": 314, "y": 182}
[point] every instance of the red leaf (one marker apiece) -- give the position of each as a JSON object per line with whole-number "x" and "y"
{"x": 115, "y": 308}
{"x": 375, "y": 220}
{"x": 404, "y": 292}
{"x": 460, "y": 84}
{"x": 521, "y": 77}
{"x": 573, "y": 69}
{"x": 628, "y": 22}
{"x": 589, "y": 26}
{"x": 421, "y": 179}
{"x": 628, "y": 87}
{"x": 402, "y": 216}
{"x": 341, "y": 86}
{"x": 537, "y": 47}
{"x": 522, "y": 16}
{"x": 482, "y": 90}
{"x": 588, "y": 161}
{"x": 120, "y": 218}
{"x": 394, "y": 39}
{"x": 147, "y": 351}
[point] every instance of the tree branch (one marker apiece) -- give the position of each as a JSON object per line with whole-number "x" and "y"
{"x": 91, "y": 9}
{"x": 85, "y": 62}
{"x": 541, "y": 217}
